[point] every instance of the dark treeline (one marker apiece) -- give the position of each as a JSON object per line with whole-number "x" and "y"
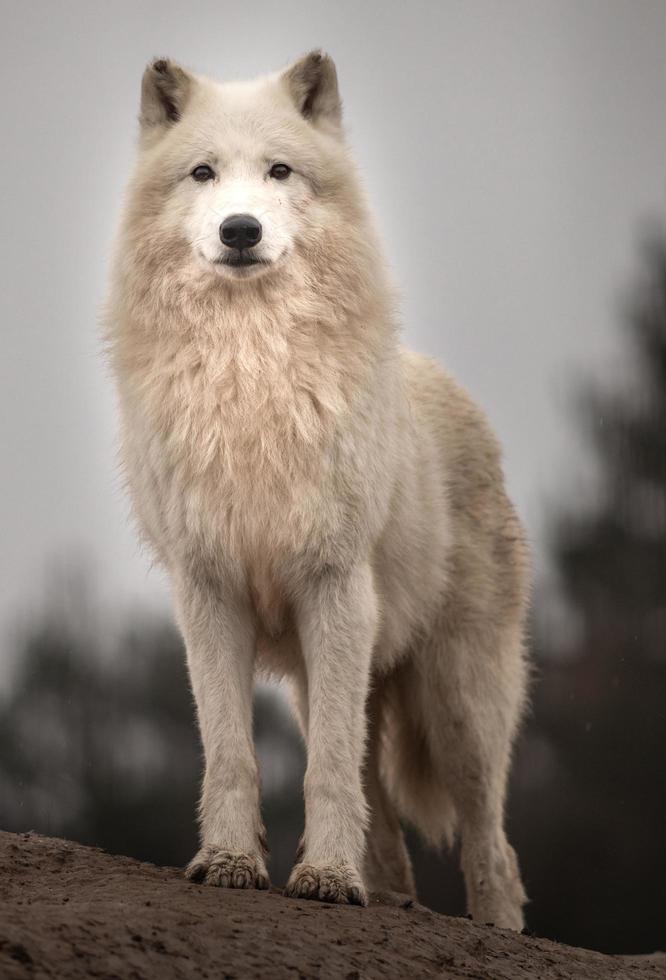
{"x": 101, "y": 747}
{"x": 596, "y": 827}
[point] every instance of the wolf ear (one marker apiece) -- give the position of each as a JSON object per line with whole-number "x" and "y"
{"x": 165, "y": 89}
{"x": 312, "y": 82}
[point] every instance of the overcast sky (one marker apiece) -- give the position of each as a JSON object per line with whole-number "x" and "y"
{"x": 511, "y": 150}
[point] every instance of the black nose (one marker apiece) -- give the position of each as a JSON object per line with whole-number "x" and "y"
{"x": 240, "y": 231}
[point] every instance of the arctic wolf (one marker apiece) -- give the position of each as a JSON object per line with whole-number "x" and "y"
{"x": 329, "y": 507}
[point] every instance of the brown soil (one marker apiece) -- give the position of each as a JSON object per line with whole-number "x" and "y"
{"x": 69, "y": 911}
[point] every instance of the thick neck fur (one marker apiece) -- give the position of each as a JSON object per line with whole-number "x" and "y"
{"x": 249, "y": 376}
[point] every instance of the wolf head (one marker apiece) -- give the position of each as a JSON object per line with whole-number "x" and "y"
{"x": 241, "y": 180}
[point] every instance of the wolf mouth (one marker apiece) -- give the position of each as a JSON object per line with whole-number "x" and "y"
{"x": 242, "y": 259}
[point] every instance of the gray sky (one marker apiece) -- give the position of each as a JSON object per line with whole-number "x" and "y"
{"x": 521, "y": 143}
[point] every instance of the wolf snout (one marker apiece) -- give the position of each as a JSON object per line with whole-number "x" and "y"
{"x": 240, "y": 231}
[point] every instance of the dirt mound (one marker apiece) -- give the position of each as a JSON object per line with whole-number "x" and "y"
{"x": 72, "y": 911}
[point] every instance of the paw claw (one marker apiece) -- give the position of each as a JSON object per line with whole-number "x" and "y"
{"x": 227, "y": 869}
{"x": 357, "y": 896}
{"x": 195, "y": 871}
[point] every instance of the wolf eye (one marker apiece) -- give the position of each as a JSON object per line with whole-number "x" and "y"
{"x": 280, "y": 171}
{"x": 202, "y": 173}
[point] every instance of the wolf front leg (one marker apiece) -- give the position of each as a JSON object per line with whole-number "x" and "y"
{"x": 337, "y": 620}
{"x": 219, "y": 632}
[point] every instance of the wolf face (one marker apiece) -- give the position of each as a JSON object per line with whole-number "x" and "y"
{"x": 239, "y": 179}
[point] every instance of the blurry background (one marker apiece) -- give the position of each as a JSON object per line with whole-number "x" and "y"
{"x": 526, "y": 143}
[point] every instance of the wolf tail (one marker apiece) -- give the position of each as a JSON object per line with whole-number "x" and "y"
{"x": 408, "y": 768}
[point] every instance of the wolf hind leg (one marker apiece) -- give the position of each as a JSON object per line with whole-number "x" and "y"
{"x": 452, "y": 710}
{"x": 387, "y": 866}
{"x": 472, "y": 694}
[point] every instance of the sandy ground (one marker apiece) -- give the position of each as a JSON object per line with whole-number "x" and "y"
{"x": 70, "y": 911}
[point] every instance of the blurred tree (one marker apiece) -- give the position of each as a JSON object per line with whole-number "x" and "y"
{"x": 594, "y": 856}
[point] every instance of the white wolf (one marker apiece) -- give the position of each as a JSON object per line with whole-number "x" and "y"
{"x": 329, "y": 506}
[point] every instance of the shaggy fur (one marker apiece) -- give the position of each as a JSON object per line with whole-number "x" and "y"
{"x": 329, "y": 506}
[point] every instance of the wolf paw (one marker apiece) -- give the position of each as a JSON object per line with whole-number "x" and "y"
{"x": 227, "y": 869}
{"x": 340, "y": 884}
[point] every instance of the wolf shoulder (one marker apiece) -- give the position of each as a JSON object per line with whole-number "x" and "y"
{"x": 445, "y": 415}
{"x": 440, "y": 403}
